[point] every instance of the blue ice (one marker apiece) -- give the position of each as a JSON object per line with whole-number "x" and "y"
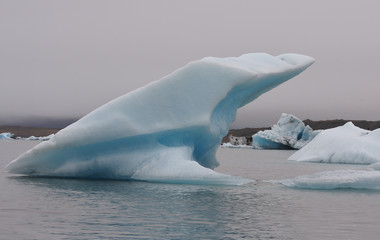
{"x": 289, "y": 132}
{"x": 167, "y": 131}
{"x": 6, "y": 136}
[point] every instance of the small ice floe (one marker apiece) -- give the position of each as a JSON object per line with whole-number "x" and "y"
{"x": 6, "y": 136}
{"x": 339, "y": 179}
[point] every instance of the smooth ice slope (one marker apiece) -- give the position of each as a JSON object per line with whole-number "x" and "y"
{"x": 344, "y": 144}
{"x": 289, "y": 132}
{"x": 167, "y": 131}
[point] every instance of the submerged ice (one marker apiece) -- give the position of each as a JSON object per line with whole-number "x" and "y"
{"x": 289, "y": 132}
{"x": 167, "y": 131}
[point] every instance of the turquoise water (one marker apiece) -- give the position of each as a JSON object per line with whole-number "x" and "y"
{"x": 53, "y": 208}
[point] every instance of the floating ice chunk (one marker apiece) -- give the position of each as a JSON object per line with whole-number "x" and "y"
{"x": 44, "y": 138}
{"x": 6, "y": 136}
{"x": 340, "y": 179}
{"x": 33, "y": 138}
{"x": 344, "y": 144}
{"x": 168, "y": 130}
{"x": 289, "y": 132}
{"x": 229, "y": 145}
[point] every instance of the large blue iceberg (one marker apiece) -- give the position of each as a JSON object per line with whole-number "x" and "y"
{"x": 167, "y": 131}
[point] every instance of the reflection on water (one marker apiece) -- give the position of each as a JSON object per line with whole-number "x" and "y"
{"x": 105, "y": 209}
{"x": 58, "y": 208}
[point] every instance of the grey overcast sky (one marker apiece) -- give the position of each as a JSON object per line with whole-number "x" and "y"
{"x": 65, "y": 58}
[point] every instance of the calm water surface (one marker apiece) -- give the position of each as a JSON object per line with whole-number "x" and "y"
{"x": 52, "y": 208}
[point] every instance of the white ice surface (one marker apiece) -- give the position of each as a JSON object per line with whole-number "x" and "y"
{"x": 345, "y": 144}
{"x": 167, "y": 131}
{"x": 229, "y": 145}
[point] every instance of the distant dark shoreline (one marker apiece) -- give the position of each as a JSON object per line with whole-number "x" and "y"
{"x": 316, "y": 125}
{"x": 247, "y": 132}
{"x": 28, "y": 131}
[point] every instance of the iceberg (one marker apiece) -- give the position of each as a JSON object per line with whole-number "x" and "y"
{"x": 345, "y": 144}
{"x": 6, "y": 136}
{"x": 289, "y": 133}
{"x": 167, "y": 131}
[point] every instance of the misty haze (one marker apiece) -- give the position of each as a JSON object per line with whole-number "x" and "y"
{"x": 216, "y": 119}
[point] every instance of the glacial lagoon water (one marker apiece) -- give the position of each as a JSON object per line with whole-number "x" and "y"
{"x": 57, "y": 208}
